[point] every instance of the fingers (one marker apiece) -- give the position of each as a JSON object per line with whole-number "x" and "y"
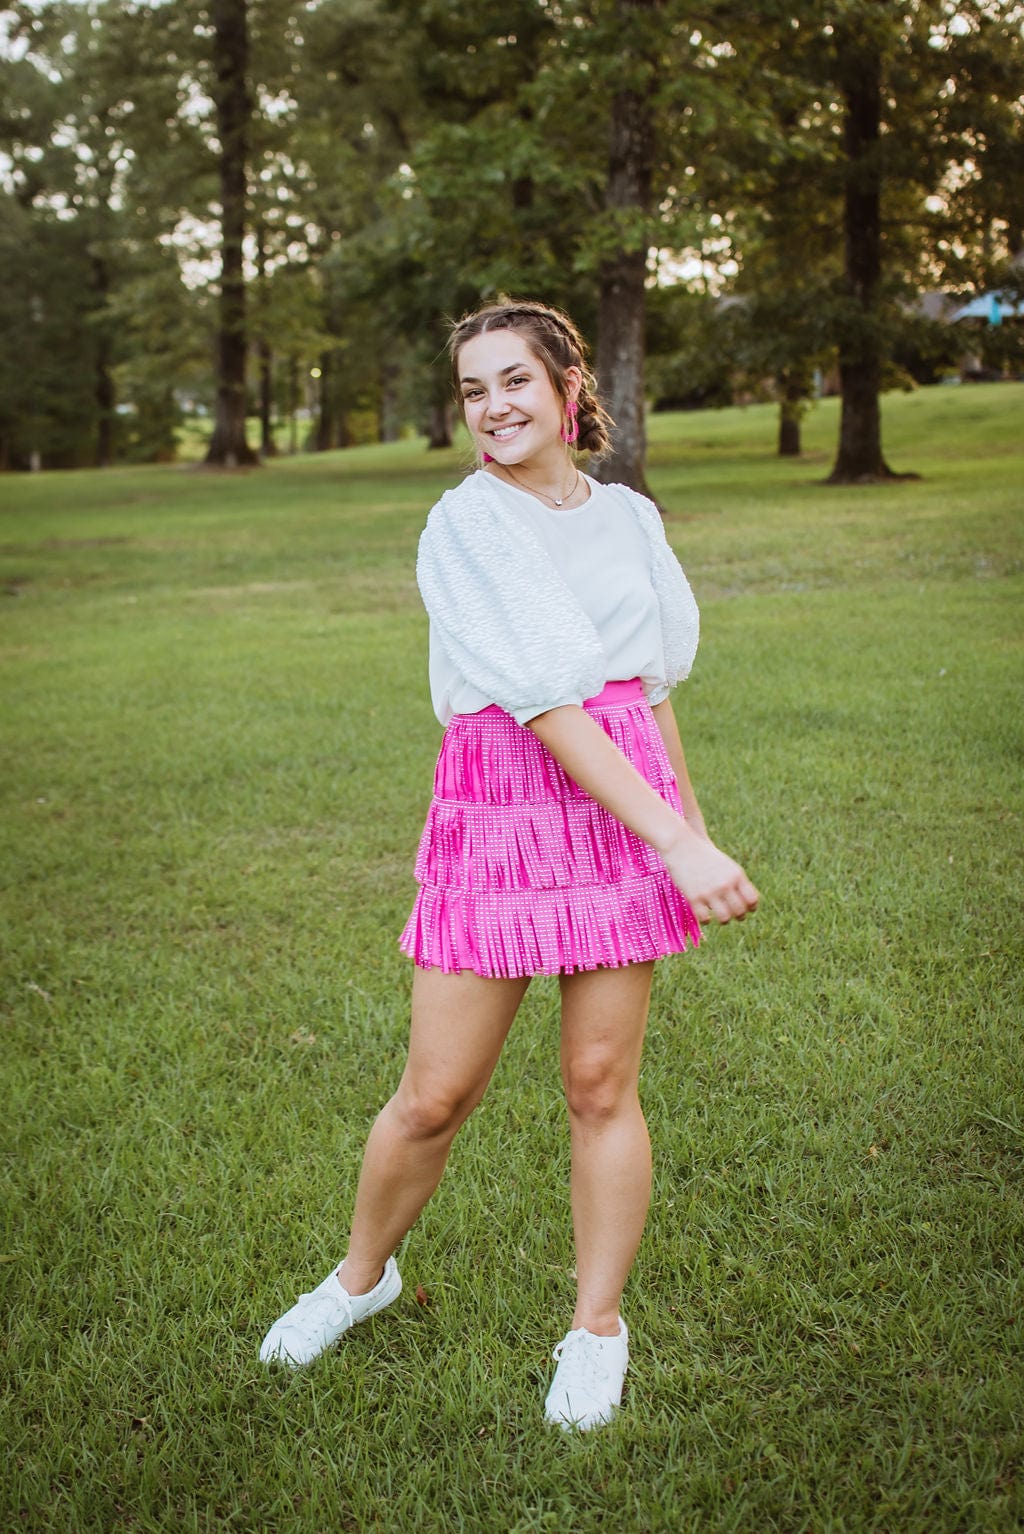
{"x": 716, "y": 887}
{"x": 732, "y": 902}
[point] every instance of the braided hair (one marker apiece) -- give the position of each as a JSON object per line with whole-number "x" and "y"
{"x": 555, "y": 341}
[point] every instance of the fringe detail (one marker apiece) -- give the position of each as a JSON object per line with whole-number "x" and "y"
{"x": 488, "y": 758}
{"x": 523, "y": 873}
{"x": 535, "y": 846}
{"x": 549, "y": 932}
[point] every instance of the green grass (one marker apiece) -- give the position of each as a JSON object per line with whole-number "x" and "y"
{"x": 217, "y": 747}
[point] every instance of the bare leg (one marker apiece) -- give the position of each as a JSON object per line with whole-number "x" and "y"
{"x": 604, "y": 1017}
{"x": 459, "y": 1024}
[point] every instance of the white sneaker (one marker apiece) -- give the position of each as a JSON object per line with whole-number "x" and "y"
{"x": 317, "y": 1320}
{"x": 587, "y": 1386}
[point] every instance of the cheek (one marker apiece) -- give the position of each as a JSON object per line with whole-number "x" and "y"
{"x": 549, "y": 405}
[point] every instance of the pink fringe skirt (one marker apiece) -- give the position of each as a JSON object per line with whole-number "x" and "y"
{"x": 522, "y": 873}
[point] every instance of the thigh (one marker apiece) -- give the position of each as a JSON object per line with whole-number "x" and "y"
{"x": 604, "y": 1019}
{"x": 459, "y": 1025}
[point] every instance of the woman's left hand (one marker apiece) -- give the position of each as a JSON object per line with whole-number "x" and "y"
{"x": 716, "y": 887}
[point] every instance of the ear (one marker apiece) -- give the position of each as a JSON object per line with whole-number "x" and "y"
{"x": 573, "y": 382}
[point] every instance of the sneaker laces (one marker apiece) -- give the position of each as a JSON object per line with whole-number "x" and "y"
{"x": 321, "y": 1307}
{"x": 581, "y": 1360}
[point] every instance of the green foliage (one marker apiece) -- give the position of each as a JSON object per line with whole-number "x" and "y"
{"x": 47, "y": 411}
{"x": 687, "y": 365}
{"x": 775, "y": 176}
{"x": 216, "y": 760}
{"x": 87, "y": 136}
{"x": 409, "y": 160}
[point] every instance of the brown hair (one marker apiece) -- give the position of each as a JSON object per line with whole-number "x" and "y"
{"x": 555, "y": 341}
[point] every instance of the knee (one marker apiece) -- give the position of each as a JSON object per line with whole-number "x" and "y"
{"x": 427, "y": 1113}
{"x": 596, "y": 1090}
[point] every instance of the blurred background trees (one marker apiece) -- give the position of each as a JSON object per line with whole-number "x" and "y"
{"x": 269, "y": 210}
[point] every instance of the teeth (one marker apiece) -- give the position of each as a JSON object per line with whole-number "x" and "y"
{"x": 506, "y": 431}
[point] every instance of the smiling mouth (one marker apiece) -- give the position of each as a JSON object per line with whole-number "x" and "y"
{"x": 506, "y": 433}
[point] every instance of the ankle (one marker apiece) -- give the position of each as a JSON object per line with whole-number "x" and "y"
{"x": 600, "y": 1323}
{"x": 359, "y": 1278}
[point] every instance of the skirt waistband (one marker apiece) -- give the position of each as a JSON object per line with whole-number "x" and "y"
{"x": 618, "y": 692}
{"x": 610, "y": 694}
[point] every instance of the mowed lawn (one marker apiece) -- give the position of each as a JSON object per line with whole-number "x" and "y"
{"x": 217, "y": 748}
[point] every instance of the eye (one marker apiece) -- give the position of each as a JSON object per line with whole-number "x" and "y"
{"x": 471, "y": 394}
{"x": 520, "y": 378}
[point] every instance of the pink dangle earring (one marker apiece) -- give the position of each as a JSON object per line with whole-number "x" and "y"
{"x": 487, "y": 458}
{"x": 571, "y": 427}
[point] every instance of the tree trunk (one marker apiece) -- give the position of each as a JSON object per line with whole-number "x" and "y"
{"x": 228, "y": 446}
{"x": 389, "y": 421}
{"x": 620, "y": 368}
{"x": 321, "y": 435}
{"x": 622, "y": 300}
{"x": 793, "y": 389}
{"x": 104, "y": 406}
{"x": 441, "y": 420}
{"x": 789, "y": 430}
{"x": 322, "y": 442}
{"x": 104, "y": 378}
{"x": 523, "y": 187}
{"x": 439, "y": 432}
{"x": 859, "y": 459}
{"x": 268, "y": 447}
{"x": 293, "y": 405}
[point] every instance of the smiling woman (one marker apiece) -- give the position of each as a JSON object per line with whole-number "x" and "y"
{"x": 526, "y": 393}
{"x": 564, "y": 836}
{"x": 514, "y": 408}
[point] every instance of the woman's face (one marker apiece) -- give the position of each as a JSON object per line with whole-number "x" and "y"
{"x": 510, "y": 403}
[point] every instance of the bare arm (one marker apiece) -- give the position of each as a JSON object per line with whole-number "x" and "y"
{"x": 716, "y": 887}
{"x": 665, "y": 719}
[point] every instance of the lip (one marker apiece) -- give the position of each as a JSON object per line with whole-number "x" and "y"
{"x": 511, "y": 427}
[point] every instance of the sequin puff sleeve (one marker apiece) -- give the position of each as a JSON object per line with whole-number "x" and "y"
{"x": 503, "y": 615}
{"x": 680, "y": 618}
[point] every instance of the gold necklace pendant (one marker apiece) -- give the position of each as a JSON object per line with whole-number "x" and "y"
{"x": 555, "y": 500}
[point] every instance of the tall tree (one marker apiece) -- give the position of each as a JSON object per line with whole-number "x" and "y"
{"x": 933, "y": 135}
{"x": 769, "y": 181}
{"x": 403, "y": 161}
{"x": 655, "y": 73}
{"x": 858, "y": 55}
{"x": 64, "y": 132}
{"x": 880, "y": 152}
{"x": 622, "y": 274}
{"x": 459, "y": 173}
{"x": 228, "y": 445}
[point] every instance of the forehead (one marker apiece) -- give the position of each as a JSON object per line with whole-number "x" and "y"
{"x": 492, "y": 353}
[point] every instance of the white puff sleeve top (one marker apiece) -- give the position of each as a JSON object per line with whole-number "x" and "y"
{"x": 532, "y": 607}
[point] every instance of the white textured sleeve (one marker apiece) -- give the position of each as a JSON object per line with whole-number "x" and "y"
{"x": 680, "y": 618}
{"x": 503, "y": 615}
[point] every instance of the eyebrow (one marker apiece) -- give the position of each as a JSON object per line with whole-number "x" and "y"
{"x": 517, "y": 367}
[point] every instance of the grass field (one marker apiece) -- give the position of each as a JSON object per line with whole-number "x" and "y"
{"x": 217, "y": 747}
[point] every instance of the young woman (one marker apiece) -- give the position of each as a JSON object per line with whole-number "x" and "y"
{"x": 564, "y": 836}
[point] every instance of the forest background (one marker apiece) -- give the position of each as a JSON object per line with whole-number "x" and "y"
{"x": 270, "y": 209}
{"x": 207, "y": 811}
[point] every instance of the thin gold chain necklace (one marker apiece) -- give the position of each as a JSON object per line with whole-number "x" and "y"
{"x": 555, "y": 501}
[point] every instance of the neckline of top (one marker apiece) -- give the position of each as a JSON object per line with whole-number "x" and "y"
{"x": 555, "y": 511}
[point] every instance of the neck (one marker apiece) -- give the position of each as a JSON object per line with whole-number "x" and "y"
{"x": 550, "y": 472}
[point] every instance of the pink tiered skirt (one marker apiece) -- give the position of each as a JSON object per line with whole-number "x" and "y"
{"x": 522, "y": 873}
